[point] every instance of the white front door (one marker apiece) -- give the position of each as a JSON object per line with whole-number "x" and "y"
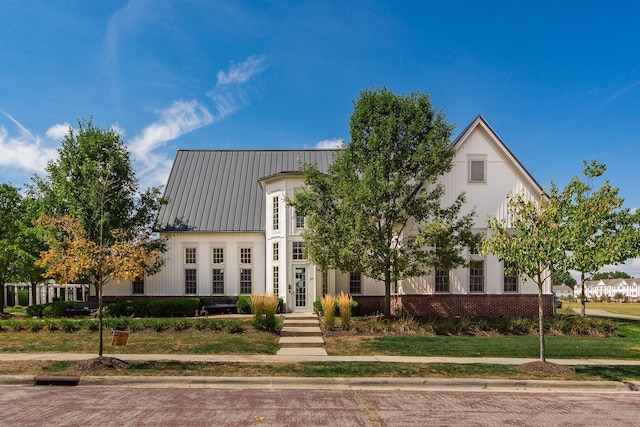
{"x": 300, "y": 279}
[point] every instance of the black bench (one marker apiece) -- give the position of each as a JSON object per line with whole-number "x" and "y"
{"x": 218, "y": 305}
{"x": 82, "y": 308}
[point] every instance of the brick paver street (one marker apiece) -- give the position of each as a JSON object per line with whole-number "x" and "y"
{"x": 128, "y": 406}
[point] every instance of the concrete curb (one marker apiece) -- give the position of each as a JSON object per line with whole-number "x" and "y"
{"x": 468, "y": 384}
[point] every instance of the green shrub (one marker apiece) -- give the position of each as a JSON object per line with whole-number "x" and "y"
{"x": 181, "y": 325}
{"x": 52, "y": 325}
{"x": 17, "y": 326}
{"x": 233, "y": 327}
{"x": 23, "y": 297}
{"x": 120, "y": 309}
{"x": 34, "y": 325}
{"x": 244, "y": 304}
{"x": 57, "y": 309}
{"x": 181, "y": 307}
{"x": 317, "y": 307}
{"x": 35, "y": 310}
{"x": 67, "y": 325}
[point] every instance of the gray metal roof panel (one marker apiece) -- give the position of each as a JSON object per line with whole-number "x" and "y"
{"x": 219, "y": 190}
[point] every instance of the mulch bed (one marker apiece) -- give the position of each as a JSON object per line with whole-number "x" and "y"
{"x": 548, "y": 368}
{"x": 101, "y": 363}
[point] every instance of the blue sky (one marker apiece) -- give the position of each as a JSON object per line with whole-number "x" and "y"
{"x": 559, "y": 81}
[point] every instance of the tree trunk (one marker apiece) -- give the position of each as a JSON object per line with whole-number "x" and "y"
{"x": 2, "y": 296}
{"x": 99, "y": 292}
{"x": 583, "y": 297}
{"x": 387, "y": 294}
{"x": 34, "y": 293}
{"x": 543, "y": 356}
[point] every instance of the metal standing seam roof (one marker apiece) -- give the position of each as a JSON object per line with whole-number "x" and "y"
{"x": 219, "y": 190}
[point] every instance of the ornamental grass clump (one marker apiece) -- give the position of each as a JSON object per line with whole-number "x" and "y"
{"x": 344, "y": 305}
{"x": 264, "y": 309}
{"x": 328, "y": 303}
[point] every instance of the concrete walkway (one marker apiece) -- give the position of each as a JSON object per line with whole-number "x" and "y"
{"x": 604, "y": 313}
{"x": 262, "y": 358}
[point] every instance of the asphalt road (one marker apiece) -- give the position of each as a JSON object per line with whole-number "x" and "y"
{"x": 130, "y": 406}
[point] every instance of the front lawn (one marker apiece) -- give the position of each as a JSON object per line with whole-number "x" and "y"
{"x": 612, "y": 307}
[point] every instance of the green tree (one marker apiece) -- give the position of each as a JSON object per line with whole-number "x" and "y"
{"x": 610, "y": 275}
{"x": 533, "y": 240}
{"x": 32, "y": 241}
{"x": 563, "y": 278}
{"x": 600, "y": 232}
{"x": 11, "y": 253}
{"x": 100, "y": 227}
{"x": 378, "y": 211}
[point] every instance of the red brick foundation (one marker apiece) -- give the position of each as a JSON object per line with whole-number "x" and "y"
{"x": 457, "y": 306}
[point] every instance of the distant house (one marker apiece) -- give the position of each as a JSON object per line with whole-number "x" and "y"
{"x": 609, "y": 288}
{"x": 562, "y": 292}
{"x": 231, "y": 232}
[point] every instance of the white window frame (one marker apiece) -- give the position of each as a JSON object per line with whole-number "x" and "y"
{"x": 355, "y": 283}
{"x": 191, "y": 255}
{"x": 475, "y": 160}
{"x": 243, "y": 281}
{"x": 214, "y": 282}
{"x": 473, "y": 276}
{"x": 297, "y": 251}
{"x": 245, "y": 256}
{"x": 276, "y": 213}
{"x": 509, "y": 277}
{"x": 217, "y": 255}
{"x": 439, "y": 276}
{"x": 275, "y": 254}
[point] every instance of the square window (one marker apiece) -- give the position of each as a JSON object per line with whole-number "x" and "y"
{"x": 355, "y": 283}
{"x": 189, "y": 255}
{"x": 477, "y": 169}
{"x": 218, "y": 281}
{"x": 245, "y": 255}
{"x": 190, "y": 284}
{"x": 217, "y": 255}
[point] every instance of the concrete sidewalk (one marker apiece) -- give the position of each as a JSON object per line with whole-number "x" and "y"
{"x": 262, "y": 358}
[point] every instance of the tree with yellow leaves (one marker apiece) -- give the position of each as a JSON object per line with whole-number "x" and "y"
{"x": 99, "y": 228}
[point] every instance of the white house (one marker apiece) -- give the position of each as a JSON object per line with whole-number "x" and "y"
{"x": 596, "y": 289}
{"x": 231, "y": 232}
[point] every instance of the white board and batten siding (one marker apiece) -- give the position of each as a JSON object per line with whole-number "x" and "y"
{"x": 170, "y": 281}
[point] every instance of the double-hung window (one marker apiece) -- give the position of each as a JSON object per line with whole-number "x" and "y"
{"x": 476, "y": 276}
{"x": 442, "y": 281}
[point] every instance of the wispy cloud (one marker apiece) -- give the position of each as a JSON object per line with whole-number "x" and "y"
{"x": 622, "y": 91}
{"x": 241, "y": 72}
{"x": 25, "y": 150}
{"x": 329, "y": 144}
{"x": 232, "y": 92}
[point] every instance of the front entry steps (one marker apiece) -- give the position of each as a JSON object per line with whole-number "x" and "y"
{"x": 301, "y": 336}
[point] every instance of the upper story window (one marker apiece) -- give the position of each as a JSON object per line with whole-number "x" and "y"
{"x": 299, "y": 221}
{"x": 477, "y": 169}
{"x": 217, "y": 255}
{"x": 276, "y": 213}
{"x": 189, "y": 255}
{"x": 276, "y": 251}
{"x": 245, "y": 255}
{"x": 298, "y": 250}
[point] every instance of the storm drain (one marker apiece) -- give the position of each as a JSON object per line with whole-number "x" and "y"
{"x": 52, "y": 380}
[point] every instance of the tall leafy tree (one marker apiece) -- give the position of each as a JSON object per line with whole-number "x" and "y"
{"x": 532, "y": 240}
{"x": 100, "y": 226}
{"x": 563, "y": 278}
{"x": 379, "y": 211}
{"x": 610, "y": 275}
{"x": 601, "y": 232}
{"x": 11, "y": 253}
{"x": 32, "y": 241}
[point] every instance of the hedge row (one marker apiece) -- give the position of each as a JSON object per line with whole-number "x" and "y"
{"x": 183, "y": 307}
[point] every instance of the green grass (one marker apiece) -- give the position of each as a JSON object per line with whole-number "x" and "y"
{"x": 625, "y": 346}
{"x": 612, "y": 307}
{"x": 332, "y": 369}
{"x": 195, "y": 342}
